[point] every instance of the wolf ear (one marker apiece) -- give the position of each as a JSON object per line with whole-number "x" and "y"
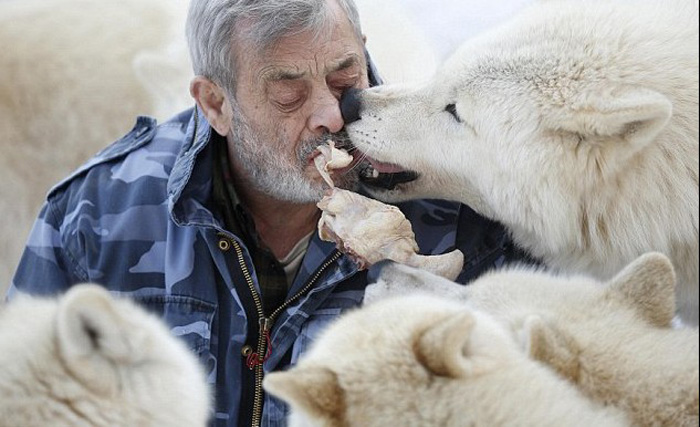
{"x": 93, "y": 337}
{"x": 442, "y": 348}
{"x": 314, "y": 390}
{"x": 630, "y": 115}
{"x": 648, "y": 285}
{"x": 546, "y": 344}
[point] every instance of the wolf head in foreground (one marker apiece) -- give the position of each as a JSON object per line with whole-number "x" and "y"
{"x": 613, "y": 340}
{"x": 88, "y": 360}
{"x": 575, "y": 125}
{"x": 420, "y": 361}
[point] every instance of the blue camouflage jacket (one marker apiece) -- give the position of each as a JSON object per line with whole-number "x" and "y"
{"x": 136, "y": 218}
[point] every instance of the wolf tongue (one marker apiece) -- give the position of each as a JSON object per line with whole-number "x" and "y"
{"x": 385, "y": 175}
{"x": 385, "y": 167}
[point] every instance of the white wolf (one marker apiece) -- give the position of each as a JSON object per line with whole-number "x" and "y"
{"x": 421, "y": 361}
{"x": 575, "y": 125}
{"x": 76, "y": 76}
{"x": 613, "y": 340}
{"x": 89, "y": 360}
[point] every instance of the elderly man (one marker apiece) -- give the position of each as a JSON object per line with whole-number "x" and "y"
{"x": 209, "y": 219}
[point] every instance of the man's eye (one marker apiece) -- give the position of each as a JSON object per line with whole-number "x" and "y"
{"x": 452, "y": 109}
{"x": 339, "y": 89}
{"x": 288, "y": 105}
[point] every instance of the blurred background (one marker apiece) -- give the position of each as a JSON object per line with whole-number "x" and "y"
{"x": 74, "y": 74}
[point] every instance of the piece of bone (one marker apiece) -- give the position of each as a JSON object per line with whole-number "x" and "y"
{"x": 329, "y": 159}
{"x": 370, "y": 231}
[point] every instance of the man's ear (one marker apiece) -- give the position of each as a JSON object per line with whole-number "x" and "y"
{"x": 212, "y": 99}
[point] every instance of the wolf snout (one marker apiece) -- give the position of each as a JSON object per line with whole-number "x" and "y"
{"x": 350, "y": 105}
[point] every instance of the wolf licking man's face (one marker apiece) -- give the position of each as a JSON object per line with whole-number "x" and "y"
{"x": 577, "y": 128}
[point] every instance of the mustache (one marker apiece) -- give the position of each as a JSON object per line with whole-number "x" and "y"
{"x": 341, "y": 140}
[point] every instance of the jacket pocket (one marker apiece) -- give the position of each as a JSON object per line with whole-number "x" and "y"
{"x": 190, "y": 319}
{"x": 318, "y": 320}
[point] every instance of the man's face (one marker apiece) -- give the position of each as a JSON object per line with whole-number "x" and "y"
{"x": 288, "y": 105}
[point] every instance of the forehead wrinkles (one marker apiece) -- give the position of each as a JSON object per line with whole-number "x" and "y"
{"x": 293, "y": 59}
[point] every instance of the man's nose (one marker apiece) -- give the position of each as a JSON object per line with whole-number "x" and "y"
{"x": 350, "y": 105}
{"x": 326, "y": 116}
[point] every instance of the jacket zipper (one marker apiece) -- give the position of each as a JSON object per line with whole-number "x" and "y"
{"x": 266, "y": 324}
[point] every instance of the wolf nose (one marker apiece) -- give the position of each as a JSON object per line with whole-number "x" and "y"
{"x": 350, "y": 105}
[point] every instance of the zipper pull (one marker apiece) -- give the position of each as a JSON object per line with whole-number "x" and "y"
{"x": 253, "y": 360}
{"x": 265, "y": 324}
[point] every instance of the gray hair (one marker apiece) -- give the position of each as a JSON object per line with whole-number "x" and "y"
{"x": 212, "y": 26}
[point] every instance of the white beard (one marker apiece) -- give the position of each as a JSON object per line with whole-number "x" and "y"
{"x": 268, "y": 171}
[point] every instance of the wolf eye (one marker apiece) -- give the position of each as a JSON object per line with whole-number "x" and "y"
{"x": 452, "y": 109}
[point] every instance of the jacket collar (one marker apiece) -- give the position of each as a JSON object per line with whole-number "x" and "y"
{"x": 190, "y": 182}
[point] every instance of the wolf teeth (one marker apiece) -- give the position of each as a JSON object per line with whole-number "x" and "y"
{"x": 370, "y": 172}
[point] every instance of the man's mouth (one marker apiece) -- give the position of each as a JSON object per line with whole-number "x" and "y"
{"x": 372, "y": 173}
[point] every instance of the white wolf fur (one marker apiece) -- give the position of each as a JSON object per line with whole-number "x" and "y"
{"x": 575, "y": 125}
{"x": 89, "y": 360}
{"x": 421, "y": 361}
{"x": 75, "y": 74}
{"x": 612, "y": 339}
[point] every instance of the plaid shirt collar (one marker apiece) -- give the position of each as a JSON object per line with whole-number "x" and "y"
{"x": 270, "y": 273}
